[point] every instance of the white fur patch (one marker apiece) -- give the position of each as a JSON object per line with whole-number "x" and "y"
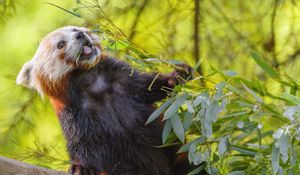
{"x": 48, "y": 60}
{"x": 99, "y": 84}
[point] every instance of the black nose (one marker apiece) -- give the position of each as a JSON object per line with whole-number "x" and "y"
{"x": 79, "y": 35}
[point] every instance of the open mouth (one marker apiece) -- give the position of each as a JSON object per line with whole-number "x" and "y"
{"x": 87, "y": 50}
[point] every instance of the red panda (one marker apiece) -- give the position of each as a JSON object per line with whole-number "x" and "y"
{"x": 102, "y": 106}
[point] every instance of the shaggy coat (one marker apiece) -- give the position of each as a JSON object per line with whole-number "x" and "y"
{"x": 102, "y": 105}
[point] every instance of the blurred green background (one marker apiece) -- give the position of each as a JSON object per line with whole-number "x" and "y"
{"x": 226, "y": 31}
{"x": 29, "y": 129}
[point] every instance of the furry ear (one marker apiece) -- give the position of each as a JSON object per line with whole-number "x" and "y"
{"x": 24, "y": 77}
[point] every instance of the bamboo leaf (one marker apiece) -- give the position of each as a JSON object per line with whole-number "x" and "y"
{"x": 291, "y": 98}
{"x": 284, "y": 147}
{"x": 230, "y": 73}
{"x": 187, "y": 121}
{"x": 197, "y": 170}
{"x": 166, "y": 131}
{"x": 237, "y": 173}
{"x": 177, "y": 127}
{"x": 186, "y": 147}
{"x": 195, "y": 156}
{"x": 246, "y": 151}
{"x": 250, "y": 91}
{"x": 222, "y": 147}
{"x": 190, "y": 106}
{"x": 265, "y": 66}
{"x": 158, "y": 111}
{"x": 172, "y": 110}
{"x": 275, "y": 159}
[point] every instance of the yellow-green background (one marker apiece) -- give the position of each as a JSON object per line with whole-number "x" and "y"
{"x": 229, "y": 30}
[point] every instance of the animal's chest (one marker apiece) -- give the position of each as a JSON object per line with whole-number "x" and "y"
{"x": 101, "y": 90}
{"x": 96, "y": 84}
{"x": 99, "y": 82}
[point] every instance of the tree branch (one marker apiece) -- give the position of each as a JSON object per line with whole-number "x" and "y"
{"x": 135, "y": 22}
{"x": 13, "y": 167}
{"x": 196, "y": 34}
{"x": 274, "y": 54}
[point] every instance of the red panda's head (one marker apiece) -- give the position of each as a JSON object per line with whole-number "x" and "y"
{"x": 60, "y": 52}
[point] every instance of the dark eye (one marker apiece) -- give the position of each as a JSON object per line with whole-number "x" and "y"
{"x": 74, "y": 30}
{"x": 61, "y": 44}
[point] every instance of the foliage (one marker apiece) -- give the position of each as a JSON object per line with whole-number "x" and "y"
{"x": 6, "y": 8}
{"x": 226, "y": 122}
{"x": 229, "y": 127}
{"x": 241, "y": 115}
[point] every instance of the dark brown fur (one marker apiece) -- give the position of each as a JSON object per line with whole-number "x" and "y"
{"x": 103, "y": 111}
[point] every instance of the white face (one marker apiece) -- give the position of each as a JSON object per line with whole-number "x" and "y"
{"x": 60, "y": 52}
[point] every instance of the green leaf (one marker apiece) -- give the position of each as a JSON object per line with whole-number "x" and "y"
{"x": 246, "y": 151}
{"x": 172, "y": 110}
{"x": 197, "y": 170}
{"x": 275, "y": 159}
{"x": 166, "y": 131}
{"x": 291, "y": 111}
{"x": 257, "y": 98}
{"x": 222, "y": 147}
{"x": 158, "y": 111}
{"x": 173, "y": 62}
{"x": 294, "y": 83}
{"x": 195, "y": 156}
{"x": 204, "y": 97}
{"x": 187, "y": 120}
{"x": 265, "y": 66}
{"x": 207, "y": 127}
{"x": 137, "y": 60}
{"x": 277, "y": 134}
{"x": 186, "y": 147}
{"x": 291, "y": 98}
{"x": 212, "y": 114}
{"x": 230, "y": 73}
{"x": 237, "y": 173}
{"x": 190, "y": 106}
{"x": 178, "y": 127}
{"x": 198, "y": 64}
{"x": 211, "y": 170}
{"x": 139, "y": 52}
{"x": 284, "y": 147}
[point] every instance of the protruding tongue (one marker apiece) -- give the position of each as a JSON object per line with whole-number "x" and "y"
{"x": 87, "y": 50}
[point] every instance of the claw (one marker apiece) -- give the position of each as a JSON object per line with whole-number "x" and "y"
{"x": 182, "y": 73}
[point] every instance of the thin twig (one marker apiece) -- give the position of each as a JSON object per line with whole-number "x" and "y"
{"x": 137, "y": 18}
{"x": 68, "y": 11}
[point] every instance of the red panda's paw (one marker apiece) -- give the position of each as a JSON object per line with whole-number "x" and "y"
{"x": 182, "y": 73}
{"x": 80, "y": 170}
